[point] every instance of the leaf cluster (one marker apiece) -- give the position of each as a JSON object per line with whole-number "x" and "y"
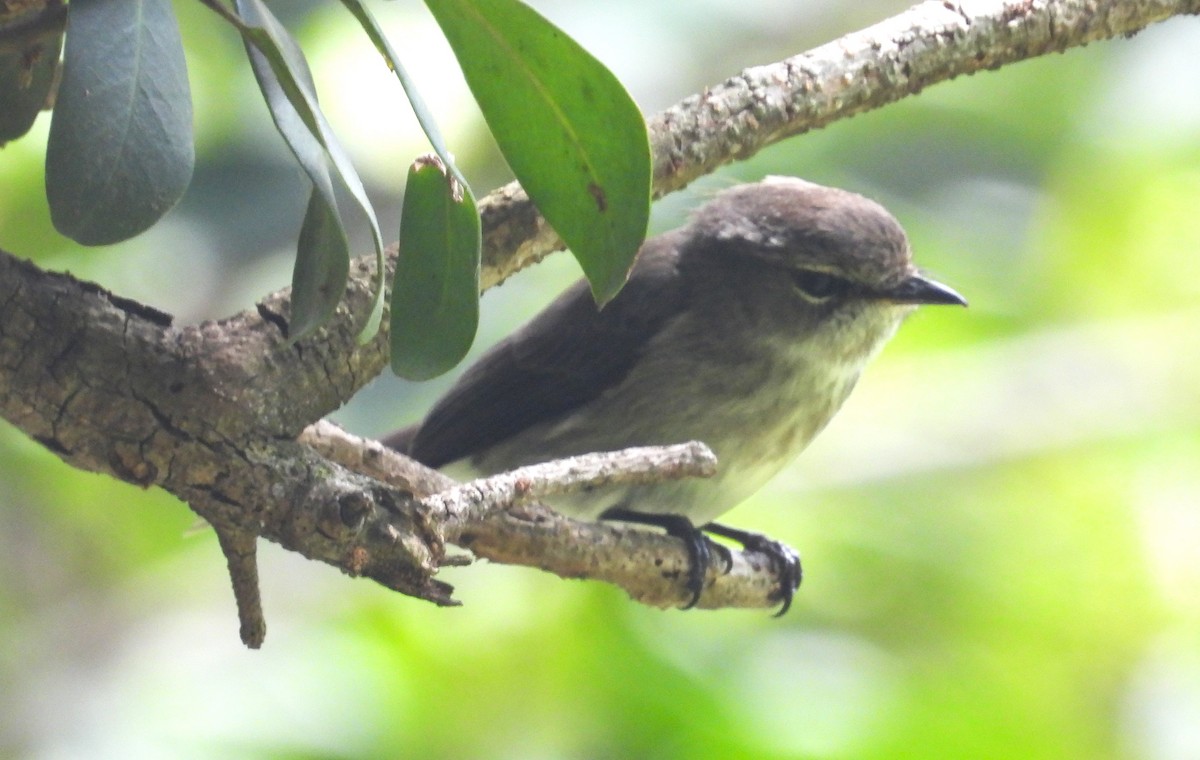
{"x": 121, "y": 153}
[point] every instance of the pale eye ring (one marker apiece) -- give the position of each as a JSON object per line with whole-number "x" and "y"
{"x": 819, "y": 286}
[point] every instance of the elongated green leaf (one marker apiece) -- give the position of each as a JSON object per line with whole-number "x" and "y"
{"x": 435, "y": 297}
{"x": 284, "y": 77}
{"x": 570, "y": 132}
{"x": 319, "y": 277}
{"x": 120, "y": 153}
{"x": 27, "y": 66}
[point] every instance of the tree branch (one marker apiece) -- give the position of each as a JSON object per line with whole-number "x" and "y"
{"x": 211, "y": 412}
{"x": 240, "y": 548}
{"x": 494, "y": 519}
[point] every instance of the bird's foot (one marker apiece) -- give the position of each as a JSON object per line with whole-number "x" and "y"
{"x": 784, "y": 559}
{"x": 700, "y": 548}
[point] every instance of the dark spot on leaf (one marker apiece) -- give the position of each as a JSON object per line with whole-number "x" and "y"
{"x": 599, "y": 196}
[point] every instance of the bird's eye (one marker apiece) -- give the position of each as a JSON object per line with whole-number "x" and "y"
{"x": 818, "y": 286}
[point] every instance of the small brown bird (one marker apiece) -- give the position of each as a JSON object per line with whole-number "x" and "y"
{"x": 745, "y": 329}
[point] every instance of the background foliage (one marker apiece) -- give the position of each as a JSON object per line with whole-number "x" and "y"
{"x": 1000, "y": 530}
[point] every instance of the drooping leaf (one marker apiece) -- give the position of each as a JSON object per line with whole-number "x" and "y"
{"x": 322, "y": 266}
{"x": 287, "y": 84}
{"x": 27, "y": 69}
{"x": 435, "y": 296}
{"x": 120, "y": 153}
{"x": 283, "y": 76}
{"x": 568, "y": 129}
{"x": 420, "y": 110}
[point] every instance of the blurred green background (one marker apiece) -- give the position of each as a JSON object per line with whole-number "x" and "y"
{"x": 1001, "y": 530}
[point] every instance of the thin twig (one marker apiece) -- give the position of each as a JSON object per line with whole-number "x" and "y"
{"x": 240, "y": 548}
{"x": 476, "y": 499}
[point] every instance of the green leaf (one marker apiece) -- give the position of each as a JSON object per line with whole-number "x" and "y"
{"x": 322, "y": 250}
{"x": 27, "y": 65}
{"x": 120, "y": 153}
{"x": 286, "y": 82}
{"x": 435, "y": 296}
{"x": 569, "y": 131}
{"x": 319, "y": 276}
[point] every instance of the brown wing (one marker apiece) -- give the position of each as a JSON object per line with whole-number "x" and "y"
{"x": 566, "y": 356}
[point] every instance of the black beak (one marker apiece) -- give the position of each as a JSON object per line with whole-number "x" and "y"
{"x": 919, "y": 289}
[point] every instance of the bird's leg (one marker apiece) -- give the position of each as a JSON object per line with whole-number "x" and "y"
{"x": 700, "y": 548}
{"x": 784, "y": 558}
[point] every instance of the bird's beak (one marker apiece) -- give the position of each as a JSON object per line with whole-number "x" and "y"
{"x": 919, "y": 289}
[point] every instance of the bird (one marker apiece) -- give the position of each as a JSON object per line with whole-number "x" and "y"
{"x": 746, "y": 329}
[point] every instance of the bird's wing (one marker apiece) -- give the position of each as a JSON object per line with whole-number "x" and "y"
{"x": 401, "y": 440}
{"x": 566, "y": 356}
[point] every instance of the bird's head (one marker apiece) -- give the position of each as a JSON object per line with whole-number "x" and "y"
{"x": 837, "y": 266}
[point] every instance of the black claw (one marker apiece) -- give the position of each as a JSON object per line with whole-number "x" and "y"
{"x": 784, "y": 559}
{"x": 700, "y": 548}
{"x": 700, "y": 557}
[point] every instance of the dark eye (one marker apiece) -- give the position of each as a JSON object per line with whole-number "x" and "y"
{"x": 818, "y": 286}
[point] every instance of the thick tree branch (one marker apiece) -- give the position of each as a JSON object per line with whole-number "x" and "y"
{"x": 211, "y": 413}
